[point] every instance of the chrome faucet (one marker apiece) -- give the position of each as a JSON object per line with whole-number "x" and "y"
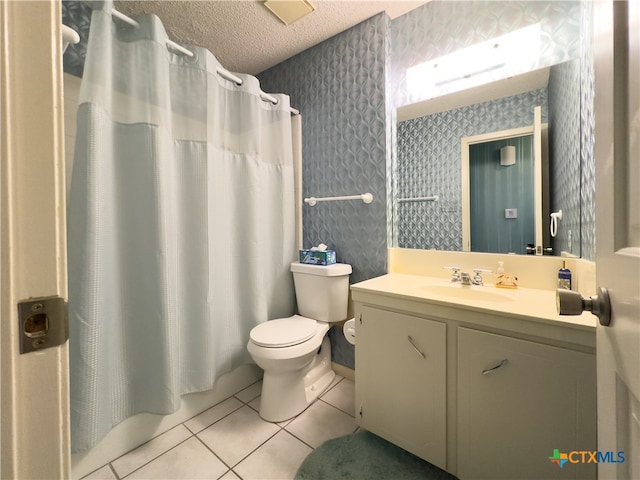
{"x": 477, "y": 279}
{"x": 464, "y": 278}
{"x": 455, "y": 274}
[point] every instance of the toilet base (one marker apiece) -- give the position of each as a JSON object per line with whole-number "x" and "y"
{"x": 287, "y": 394}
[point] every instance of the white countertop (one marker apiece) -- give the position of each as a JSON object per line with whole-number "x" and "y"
{"x": 519, "y": 303}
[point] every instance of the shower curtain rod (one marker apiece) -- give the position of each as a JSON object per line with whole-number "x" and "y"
{"x": 227, "y": 75}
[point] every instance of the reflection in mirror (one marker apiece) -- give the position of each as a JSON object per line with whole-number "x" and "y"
{"x": 429, "y": 157}
{"x": 498, "y": 172}
{"x": 502, "y": 221}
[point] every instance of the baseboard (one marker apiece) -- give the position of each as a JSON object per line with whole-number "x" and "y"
{"x": 343, "y": 371}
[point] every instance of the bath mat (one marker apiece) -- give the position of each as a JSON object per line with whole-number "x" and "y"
{"x": 364, "y": 455}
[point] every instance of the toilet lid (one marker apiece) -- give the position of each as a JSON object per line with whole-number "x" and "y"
{"x": 284, "y": 332}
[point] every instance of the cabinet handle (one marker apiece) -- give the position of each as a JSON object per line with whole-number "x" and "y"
{"x": 413, "y": 344}
{"x": 493, "y": 369}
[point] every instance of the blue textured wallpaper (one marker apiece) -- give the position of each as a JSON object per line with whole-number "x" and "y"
{"x": 564, "y": 148}
{"x": 339, "y": 87}
{"x": 77, "y": 15}
{"x": 587, "y": 129}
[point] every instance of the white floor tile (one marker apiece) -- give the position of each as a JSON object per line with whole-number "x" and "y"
{"x": 277, "y": 459}
{"x": 285, "y": 422}
{"x": 190, "y": 460}
{"x": 150, "y": 450}
{"x": 237, "y": 435}
{"x": 342, "y": 396}
{"x": 241, "y": 440}
{"x": 321, "y": 422}
{"x": 255, "y": 403}
{"x": 212, "y": 415}
{"x": 250, "y": 393}
{"x": 104, "y": 473}
{"x": 334, "y": 382}
{"x": 230, "y": 476}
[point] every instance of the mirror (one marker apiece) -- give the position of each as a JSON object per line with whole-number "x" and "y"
{"x": 430, "y": 202}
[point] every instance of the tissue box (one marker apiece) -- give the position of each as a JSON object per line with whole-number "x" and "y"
{"x": 317, "y": 257}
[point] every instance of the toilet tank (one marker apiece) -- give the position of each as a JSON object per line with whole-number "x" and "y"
{"x": 322, "y": 292}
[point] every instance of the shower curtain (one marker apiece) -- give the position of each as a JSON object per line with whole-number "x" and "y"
{"x": 180, "y": 224}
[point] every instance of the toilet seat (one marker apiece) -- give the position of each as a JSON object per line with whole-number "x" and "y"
{"x": 284, "y": 332}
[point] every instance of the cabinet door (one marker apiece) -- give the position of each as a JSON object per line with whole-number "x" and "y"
{"x": 401, "y": 381}
{"x": 512, "y": 418}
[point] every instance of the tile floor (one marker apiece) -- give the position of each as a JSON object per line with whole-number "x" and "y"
{"x": 231, "y": 441}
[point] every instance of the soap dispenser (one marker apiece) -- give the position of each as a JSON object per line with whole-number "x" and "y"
{"x": 499, "y": 272}
{"x": 564, "y": 277}
{"x": 505, "y": 280}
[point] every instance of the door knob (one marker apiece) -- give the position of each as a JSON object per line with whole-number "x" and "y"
{"x": 572, "y": 303}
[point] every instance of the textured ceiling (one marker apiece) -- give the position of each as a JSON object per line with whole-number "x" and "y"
{"x": 245, "y": 37}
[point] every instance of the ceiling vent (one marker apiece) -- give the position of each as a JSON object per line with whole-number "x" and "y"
{"x": 289, "y": 11}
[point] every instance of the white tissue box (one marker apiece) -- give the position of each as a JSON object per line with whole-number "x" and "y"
{"x": 318, "y": 257}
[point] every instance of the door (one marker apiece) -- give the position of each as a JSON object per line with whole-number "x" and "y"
{"x": 35, "y": 406}
{"x": 538, "y": 174}
{"x": 616, "y": 55}
{"x": 495, "y": 190}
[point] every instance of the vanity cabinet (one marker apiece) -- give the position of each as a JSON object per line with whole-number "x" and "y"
{"x": 401, "y": 380}
{"x": 516, "y": 402}
{"x": 482, "y": 394}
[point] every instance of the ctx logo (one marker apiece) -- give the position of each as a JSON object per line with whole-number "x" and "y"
{"x": 584, "y": 456}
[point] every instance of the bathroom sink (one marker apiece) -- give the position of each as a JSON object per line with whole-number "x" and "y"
{"x": 457, "y": 291}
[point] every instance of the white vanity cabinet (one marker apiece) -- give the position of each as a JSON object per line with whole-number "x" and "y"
{"x": 401, "y": 381}
{"x": 516, "y": 402}
{"x": 499, "y": 388}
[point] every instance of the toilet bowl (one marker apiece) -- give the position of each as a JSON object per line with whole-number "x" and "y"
{"x": 294, "y": 375}
{"x": 295, "y": 352}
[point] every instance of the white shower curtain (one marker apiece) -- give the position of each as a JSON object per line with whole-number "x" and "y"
{"x": 180, "y": 224}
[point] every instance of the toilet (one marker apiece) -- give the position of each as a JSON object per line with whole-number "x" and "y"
{"x": 295, "y": 352}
